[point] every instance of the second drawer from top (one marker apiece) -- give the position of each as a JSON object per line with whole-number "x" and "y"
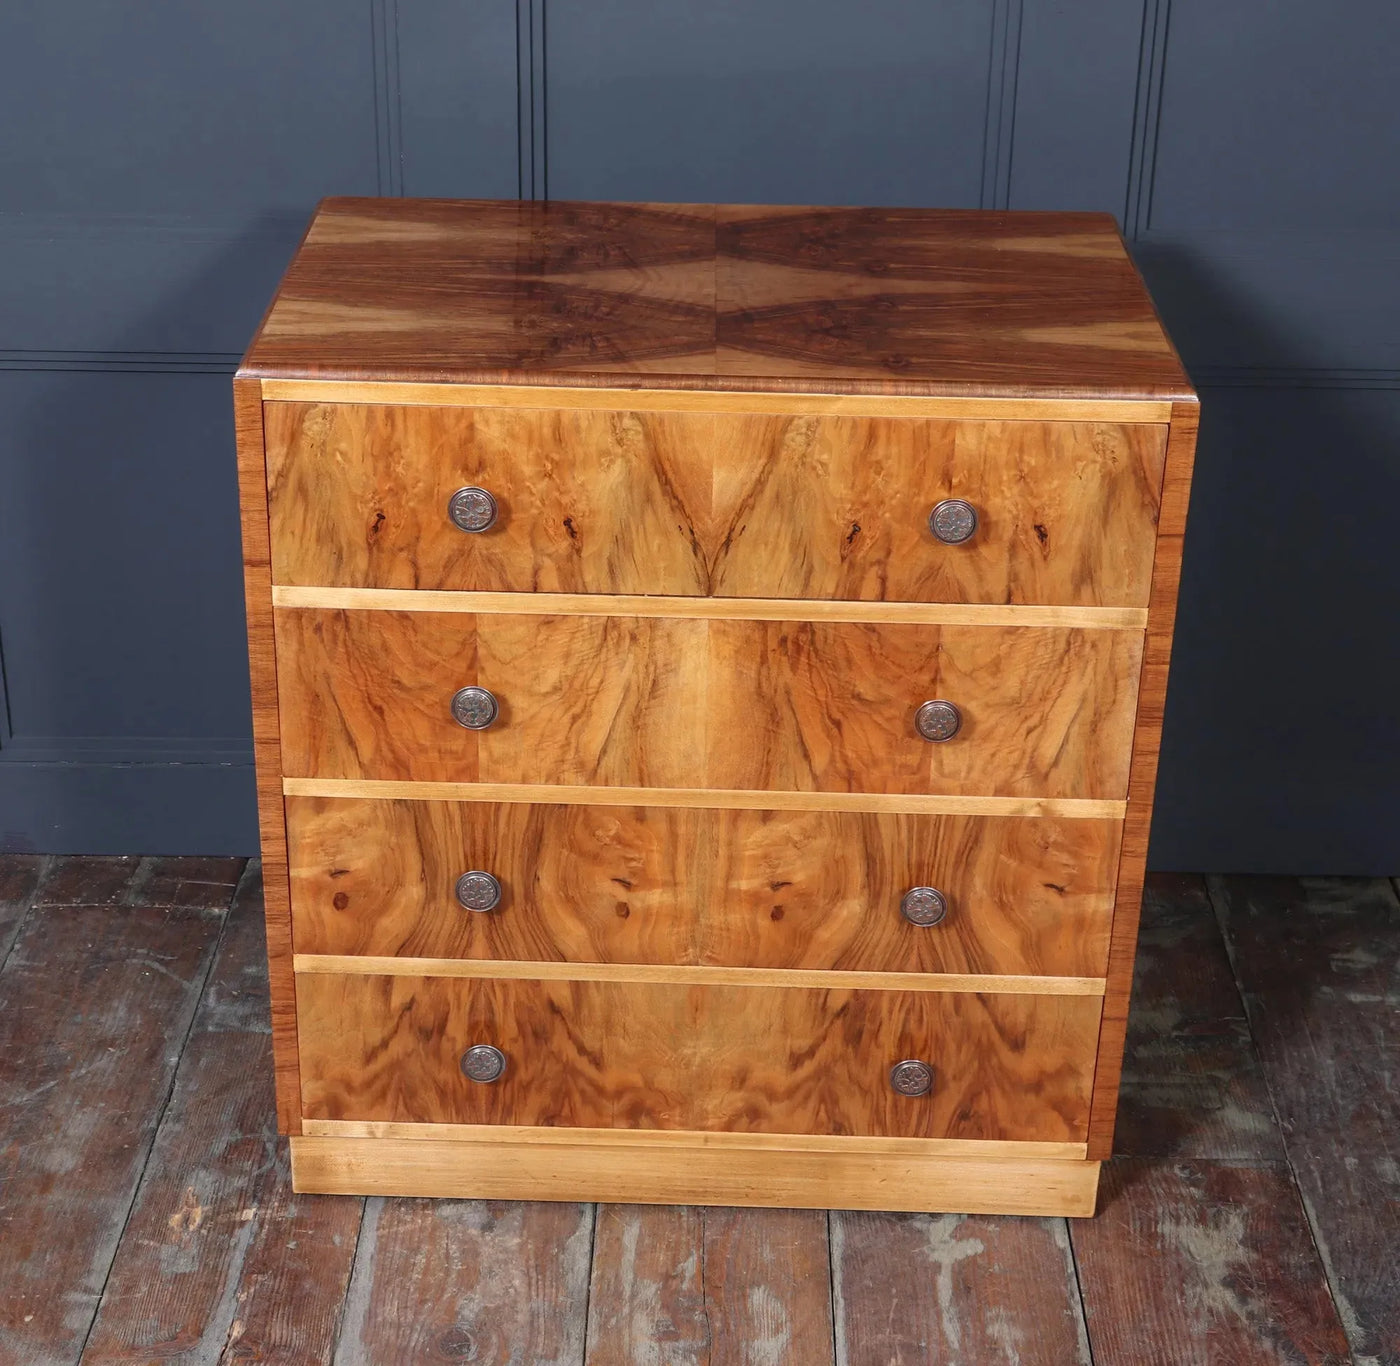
{"x": 725, "y": 504}
{"x": 1020, "y": 711}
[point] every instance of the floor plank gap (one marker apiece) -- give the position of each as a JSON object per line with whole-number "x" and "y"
{"x": 1318, "y": 961}
{"x": 136, "y": 1191}
{"x": 343, "y": 1307}
{"x": 1085, "y": 1341}
{"x": 21, "y": 877}
{"x": 96, "y": 1004}
{"x": 831, "y": 1291}
{"x": 217, "y": 1246}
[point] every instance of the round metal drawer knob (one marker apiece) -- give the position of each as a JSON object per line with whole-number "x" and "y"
{"x": 923, "y": 906}
{"x": 475, "y": 708}
{"x": 478, "y": 891}
{"x": 911, "y": 1077}
{"x": 938, "y": 720}
{"x": 483, "y": 1063}
{"x": 472, "y": 509}
{"x": 953, "y": 521}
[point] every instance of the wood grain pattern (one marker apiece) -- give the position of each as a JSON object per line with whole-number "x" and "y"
{"x": 700, "y": 1175}
{"x": 725, "y": 410}
{"x": 657, "y": 702}
{"x": 712, "y": 609}
{"x": 1194, "y": 1264}
{"x": 801, "y": 402}
{"x": 731, "y": 505}
{"x": 603, "y": 1055}
{"x": 1142, "y": 782}
{"x": 940, "y": 1290}
{"x": 921, "y": 301}
{"x": 739, "y": 888}
{"x": 722, "y": 1287}
{"x": 267, "y": 750}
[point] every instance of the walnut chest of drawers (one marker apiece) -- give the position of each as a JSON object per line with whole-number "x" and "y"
{"x": 708, "y": 666}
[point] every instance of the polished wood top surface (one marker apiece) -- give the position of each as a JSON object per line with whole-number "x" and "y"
{"x": 718, "y": 297}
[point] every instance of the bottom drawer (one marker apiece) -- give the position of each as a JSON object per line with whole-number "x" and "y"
{"x": 653, "y": 1056}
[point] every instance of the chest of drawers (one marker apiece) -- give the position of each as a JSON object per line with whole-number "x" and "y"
{"x": 708, "y": 667}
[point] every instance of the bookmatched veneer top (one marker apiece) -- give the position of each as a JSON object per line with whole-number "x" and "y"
{"x": 718, "y": 297}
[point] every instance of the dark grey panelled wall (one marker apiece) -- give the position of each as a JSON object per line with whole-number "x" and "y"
{"x": 160, "y": 160}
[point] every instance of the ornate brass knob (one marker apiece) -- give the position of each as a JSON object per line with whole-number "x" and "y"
{"x": 472, "y": 509}
{"x": 484, "y": 1063}
{"x": 475, "y": 708}
{"x": 923, "y": 906}
{"x": 478, "y": 891}
{"x": 938, "y": 720}
{"x": 911, "y": 1077}
{"x": 953, "y": 521}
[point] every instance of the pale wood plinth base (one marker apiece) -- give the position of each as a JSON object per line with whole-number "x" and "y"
{"x": 863, "y": 1178}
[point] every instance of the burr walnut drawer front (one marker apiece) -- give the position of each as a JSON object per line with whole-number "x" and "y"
{"x": 595, "y": 1054}
{"x": 763, "y": 889}
{"x": 692, "y": 703}
{"x": 738, "y": 505}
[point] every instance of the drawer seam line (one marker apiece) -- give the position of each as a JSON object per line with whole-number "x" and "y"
{"x": 838, "y": 979}
{"x": 853, "y": 612}
{"x": 547, "y": 794}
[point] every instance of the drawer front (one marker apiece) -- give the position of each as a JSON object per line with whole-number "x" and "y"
{"x": 673, "y": 702}
{"x": 737, "y": 505}
{"x": 767, "y": 889}
{"x": 753, "y": 1059}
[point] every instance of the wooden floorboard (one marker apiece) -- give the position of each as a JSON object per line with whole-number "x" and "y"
{"x": 220, "y": 1261}
{"x": 916, "y": 1288}
{"x": 96, "y": 998}
{"x": 716, "y": 1287}
{"x": 203, "y": 883}
{"x": 493, "y": 1283}
{"x": 1201, "y": 1251}
{"x": 20, "y": 875}
{"x": 1192, "y": 1081}
{"x": 1319, "y": 961}
{"x": 88, "y": 882}
{"x": 1252, "y": 1214}
{"x": 1204, "y": 1264}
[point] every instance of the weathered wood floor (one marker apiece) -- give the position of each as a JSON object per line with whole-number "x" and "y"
{"x": 145, "y": 1212}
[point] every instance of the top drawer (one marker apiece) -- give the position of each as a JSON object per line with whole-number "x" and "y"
{"x": 723, "y": 504}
